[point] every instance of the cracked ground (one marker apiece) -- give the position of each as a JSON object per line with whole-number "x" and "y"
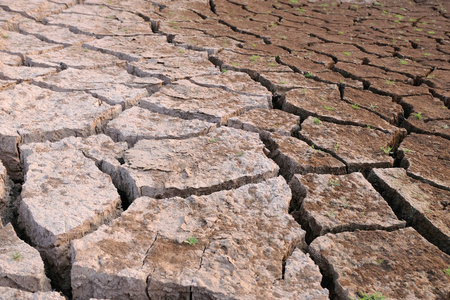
{"x": 224, "y": 149}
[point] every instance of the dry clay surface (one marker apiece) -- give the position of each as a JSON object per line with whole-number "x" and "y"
{"x": 218, "y": 149}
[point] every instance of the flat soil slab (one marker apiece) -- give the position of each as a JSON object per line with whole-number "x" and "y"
{"x": 295, "y": 156}
{"x": 337, "y": 203}
{"x": 64, "y": 196}
{"x": 31, "y": 114}
{"x": 137, "y": 123}
{"x": 373, "y": 261}
{"x": 37, "y": 9}
{"x": 187, "y": 100}
{"x": 10, "y": 293}
{"x": 358, "y": 147}
{"x": 22, "y": 45}
{"x": 424, "y": 206}
{"x": 426, "y": 157}
{"x": 72, "y": 57}
{"x": 284, "y": 81}
{"x": 223, "y": 159}
{"x": 403, "y": 66}
{"x": 145, "y": 252}
{"x": 264, "y": 121}
{"x": 327, "y": 106}
{"x": 237, "y": 82}
{"x": 53, "y": 34}
{"x": 138, "y": 48}
{"x": 396, "y": 89}
{"x": 383, "y": 106}
{"x": 427, "y": 115}
{"x": 170, "y": 69}
{"x": 21, "y": 265}
{"x": 23, "y": 73}
{"x": 100, "y": 21}
{"x": 113, "y": 85}
{"x": 10, "y": 59}
{"x": 251, "y": 64}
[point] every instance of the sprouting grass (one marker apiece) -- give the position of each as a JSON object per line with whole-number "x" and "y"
{"x": 191, "y": 240}
{"x": 386, "y": 150}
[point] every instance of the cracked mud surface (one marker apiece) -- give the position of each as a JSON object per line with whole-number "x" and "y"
{"x": 224, "y": 149}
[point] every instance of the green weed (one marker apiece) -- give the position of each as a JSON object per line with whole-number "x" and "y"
{"x": 191, "y": 240}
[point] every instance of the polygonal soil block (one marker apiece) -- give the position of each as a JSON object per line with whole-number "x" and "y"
{"x": 21, "y": 265}
{"x": 360, "y": 148}
{"x": 64, "y": 197}
{"x": 136, "y": 124}
{"x": 32, "y": 114}
{"x": 295, "y": 156}
{"x": 227, "y": 245}
{"x": 424, "y": 206}
{"x": 397, "y": 265}
{"x": 427, "y": 158}
{"x": 336, "y": 203}
{"x": 223, "y": 159}
{"x": 188, "y": 100}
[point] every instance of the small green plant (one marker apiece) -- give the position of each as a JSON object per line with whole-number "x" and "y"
{"x": 373, "y": 105}
{"x": 308, "y": 75}
{"x": 407, "y": 150}
{"x": 271, "y": 64}
{"x": 355, "y": 106}
{"x": 347, "y": 53}
{"x": 336, "y": 147}
{"x": 334, "y": 183}
{"x": 213, "y": 140}
{"x": 85, "y": 50}
{"x": 181, "y": 51}
{"x": 418, "y": 115}
{"x": 403, "y": 62}
{"x": 447, "y": 271}
{"x": 254, "y": 57}
{"x": 223, "y": 70}
{"x": 294, "y": 1}
{"x": 386, "y": 150}
{"x": 375, "y": 296}
{"x": 16, "y": 256}
{"x": 328, "y": 107}
{"x": 388, "y": 81}
{"x": 431, "y": 32}
{"x": 317, "y": 150}
{"x": 445, "y": 126}
{"x": 317, "y": 121}
{"x": 235, "y": 64}
{"x": 340, "y": 32}
{"x": 330, "y": 214}
{"x": 253, "y": 45}
{"x": 240, "y": 153}
{"x": 282, "y": 82}
{"x": 191, "y": 240}
{"x": 427, "y": 54}
{"x": 431, "y": 76}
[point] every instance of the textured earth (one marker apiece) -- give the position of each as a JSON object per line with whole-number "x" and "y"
{"x": 225, "y": 149}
